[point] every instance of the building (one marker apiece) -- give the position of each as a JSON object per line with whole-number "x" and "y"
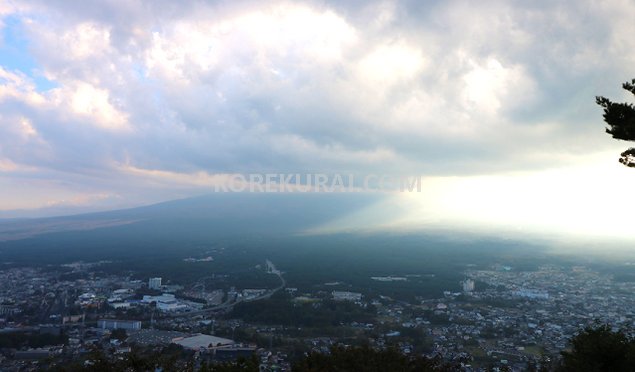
{"x": 230, "y": 353}
{"x": 531, "y": 294}
{"x": 129, "y": 325}
{"x": 32, "y": 354}
{"x": 120, "y": 305}
{"x": 468, "y": 285}
{"x": 165, "y": 302}
{"x": 9, "y": 309}
{"x": 201, "y": 341}
{"x": 250, "y": 294}
{"x": 154, "y": 283}
{"x": 73, "y": 318}
{"x": 346, "y": 296}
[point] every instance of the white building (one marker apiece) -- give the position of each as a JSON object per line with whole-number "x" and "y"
{"x": 165, "y": 302}
{"x": 123, "y": 292}
{"x": 119, "y": 324}
{"x": 120, "y": 305}
{"x": 532, "y": 294}
{"x": 201, "y": 341}
{"x": 468, "y": 285}
{"x": 250, "y": 294}
{"x": 154, "y": 283}
{"x": 346, "y": 296}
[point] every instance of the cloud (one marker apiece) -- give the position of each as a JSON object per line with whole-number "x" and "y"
{"x": 440, "y": 88}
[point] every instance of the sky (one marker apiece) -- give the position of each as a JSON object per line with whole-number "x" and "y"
{"x": 114, "y": 104}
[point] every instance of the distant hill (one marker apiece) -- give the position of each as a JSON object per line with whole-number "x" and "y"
{"x": 221, "y": 213}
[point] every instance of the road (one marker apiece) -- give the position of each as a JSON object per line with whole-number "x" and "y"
{"x": 271, "y": 268}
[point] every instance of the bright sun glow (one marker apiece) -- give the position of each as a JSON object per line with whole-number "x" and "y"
{"x": 578, "y": 200}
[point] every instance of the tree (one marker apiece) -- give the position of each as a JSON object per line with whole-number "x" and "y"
{"x": 621, "y": 120}
{"x": 119, "y": 334}
{"x": 365, "y": 358}
{"x": 598, "y": 349}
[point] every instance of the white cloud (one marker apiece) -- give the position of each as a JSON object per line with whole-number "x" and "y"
{"x": 15, "y": 85}
{"x": 199, "y": 89}
{"x": 487, "y": 86}
{"x": 7, "y": 165}
{"x": 85, "y": 40}
{"x": 92, "y": 104}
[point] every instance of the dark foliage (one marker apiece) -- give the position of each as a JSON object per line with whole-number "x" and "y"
{"x": 280, "y": 310}
{"x": 367, "y": 359}
{"x": 598, "y": 349}
{"x": 171, "y": 358}
{"x": 595, "y": 349}
{"x": 241, "y": 365}
{"x": 620, "y": 118}
{"x": 119, "y": 334}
